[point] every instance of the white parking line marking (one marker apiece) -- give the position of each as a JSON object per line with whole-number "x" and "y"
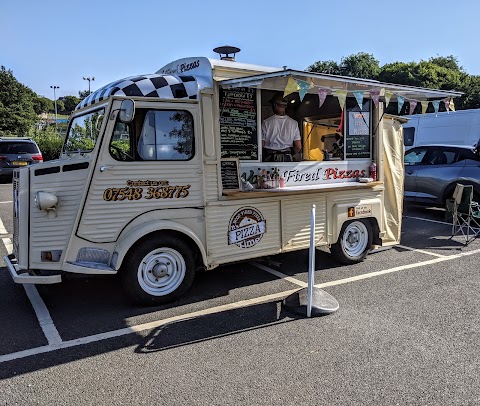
{"x": 43, "y": 315}
{"x": 421, "y": 251}
{"x": 143, "y": 327}
{"x": 3, "y": 230}
{"x": 396, "y": 269}
{"x": 7, "y": 201}
{"x": 431, "y": 221}
{"x": 8, "y": 244}
{"x": 280, "y": 275}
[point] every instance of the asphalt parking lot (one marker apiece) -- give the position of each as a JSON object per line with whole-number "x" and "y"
{"x": 406, "y": 331}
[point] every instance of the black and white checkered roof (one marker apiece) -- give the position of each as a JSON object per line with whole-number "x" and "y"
{"x": 164, "y": 86}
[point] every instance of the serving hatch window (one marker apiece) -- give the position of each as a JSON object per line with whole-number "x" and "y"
{"x": 83, "y": 132}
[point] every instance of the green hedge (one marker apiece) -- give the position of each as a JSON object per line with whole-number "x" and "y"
{"x": 49, "y": 142}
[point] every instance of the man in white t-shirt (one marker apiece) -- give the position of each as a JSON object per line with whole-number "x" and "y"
{"x": 280, "y": 133}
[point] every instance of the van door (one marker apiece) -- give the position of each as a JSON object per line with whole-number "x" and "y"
{"x": 152, "y": 163}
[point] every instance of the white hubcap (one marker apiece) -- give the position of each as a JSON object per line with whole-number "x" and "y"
{"x": 161, "y": 271}
{"x": 355, "y": 239}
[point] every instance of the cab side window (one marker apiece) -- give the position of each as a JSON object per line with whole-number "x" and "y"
{"x": 122, "y": 143}
{"x": 166, "y": 135}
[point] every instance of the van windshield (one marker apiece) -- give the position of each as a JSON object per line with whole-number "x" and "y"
{"x": 83, "y": 132}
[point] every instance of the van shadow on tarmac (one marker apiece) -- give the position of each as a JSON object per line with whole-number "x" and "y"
{"x": 169, "y": 336}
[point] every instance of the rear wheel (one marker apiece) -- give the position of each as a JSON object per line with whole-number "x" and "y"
{"x": 354, "y": 242}
{"x": 158, "y": 270}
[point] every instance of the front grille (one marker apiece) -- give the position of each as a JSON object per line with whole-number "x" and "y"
{"x": 15, "y": 215}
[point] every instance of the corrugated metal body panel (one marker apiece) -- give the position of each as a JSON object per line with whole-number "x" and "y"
{"x": 296, "y": 218}
{"x": 211, "y": 182}
{"x": 16, "y": 228}
{"x": 21, "y": 213}
{"x": 219, "y": 219}
{"x": 102, "y": 220}
{"x": 49, "y": 232}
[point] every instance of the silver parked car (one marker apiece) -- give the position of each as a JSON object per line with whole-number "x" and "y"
{"x": 432, "y": 171}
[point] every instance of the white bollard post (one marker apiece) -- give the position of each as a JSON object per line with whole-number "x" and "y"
{"x": 311, "y": 267}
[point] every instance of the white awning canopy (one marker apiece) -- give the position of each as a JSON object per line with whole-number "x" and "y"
{"x": 278, "y": 81}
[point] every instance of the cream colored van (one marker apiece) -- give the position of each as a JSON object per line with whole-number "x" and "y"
{"x": 163, "y": 174}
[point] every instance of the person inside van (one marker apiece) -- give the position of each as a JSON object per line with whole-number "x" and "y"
{"x": 280, "y": 134}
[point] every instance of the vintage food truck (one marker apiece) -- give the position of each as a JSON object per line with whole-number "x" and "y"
{"x": 162, "y": 175}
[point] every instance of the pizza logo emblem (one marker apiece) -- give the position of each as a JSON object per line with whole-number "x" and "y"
{"x": 246, "y": 228}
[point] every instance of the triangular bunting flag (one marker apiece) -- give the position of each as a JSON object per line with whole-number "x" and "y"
{"x": 291, "y": 87}
{"x": 322, "y": 95}
{"x": 340, "y": 127}
{"x": 452, "y": 105}
{"x": 436, "y": 105}
{"x": 400, "y": 101}
{"x": 447, "y": 104}
{"x": 342, "y": 97}
{"x": 413, "y": 105}
{"x": 424, "y": 106}
{"x": 388, "y": 96}
{"x": 304, "y": 86}
{"x": 359, "y": 96}
{"x": 375, "y": 95}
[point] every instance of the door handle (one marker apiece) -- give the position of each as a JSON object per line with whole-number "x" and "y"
{"x": 103, "y": 168}
{"x": 410, "y": 172}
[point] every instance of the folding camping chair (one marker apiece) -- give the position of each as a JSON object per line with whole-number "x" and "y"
{"x": 466, "y": 213}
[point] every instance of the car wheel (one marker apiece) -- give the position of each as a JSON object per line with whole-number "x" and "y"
{"x": 158, "y": 270}
{"x": 354, "y": 242}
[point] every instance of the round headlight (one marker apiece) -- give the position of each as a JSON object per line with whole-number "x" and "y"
{"x": 45, "y": 200}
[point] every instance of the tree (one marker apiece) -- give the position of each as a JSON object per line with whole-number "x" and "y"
{"x": 437, "y": 73}
{"x": 429, "y": 74}
{"x": 17, "y": 114}
{"x": 471, "y": 97}
{"x": 329, "y": 67}
{"x": 449, "y": 62}
{"x": 440, "y": 72}
{"x": 82, "y": 94}
{"x": 70, "y": 103}
{"x": 60, "y": 106}
{"x": 42, "y": 105}
{"x": 361, "y": 65}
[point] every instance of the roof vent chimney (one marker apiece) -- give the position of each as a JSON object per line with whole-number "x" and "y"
{"x": 226, "y": 51}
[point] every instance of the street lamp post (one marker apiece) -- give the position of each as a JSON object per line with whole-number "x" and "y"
{"x": 55, "y": 101}
{"x": 89, "y": 80}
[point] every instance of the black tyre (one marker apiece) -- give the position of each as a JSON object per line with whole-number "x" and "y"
{"x": 353, "y": 243}
{"x": 158, "y": 269}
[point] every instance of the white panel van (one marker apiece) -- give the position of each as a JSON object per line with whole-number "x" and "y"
{"x": 445, "y": 128}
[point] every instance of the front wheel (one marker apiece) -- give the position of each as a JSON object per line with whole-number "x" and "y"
{"x": 158, "y": 270}
{"x": 354, "y": 242}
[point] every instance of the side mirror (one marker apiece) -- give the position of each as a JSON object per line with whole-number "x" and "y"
{"x": 127, "y": 111}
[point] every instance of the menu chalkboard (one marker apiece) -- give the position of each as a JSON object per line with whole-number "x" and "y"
{"x": 230, "y": 175}
{"x": 357, "y": 139}
{"x": 238, "y": 123}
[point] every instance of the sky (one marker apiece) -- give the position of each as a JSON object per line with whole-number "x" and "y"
{"x": 57, "y": 43}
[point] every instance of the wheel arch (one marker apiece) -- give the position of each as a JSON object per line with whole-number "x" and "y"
{"x": 448, "y": 191}
{"x": 144, "y": 230}
{"x": 376, "y": 240}
{"x": 354, "y": 242}
{"x": 340, "y": 216}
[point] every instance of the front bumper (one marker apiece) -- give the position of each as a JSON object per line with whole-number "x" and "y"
{"x": 24, "y": 276}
